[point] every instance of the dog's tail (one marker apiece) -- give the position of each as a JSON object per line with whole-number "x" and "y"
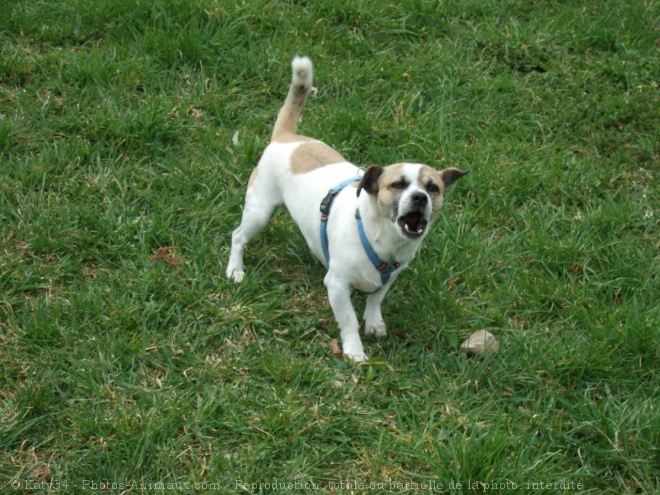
{"x": 301, "y": 84}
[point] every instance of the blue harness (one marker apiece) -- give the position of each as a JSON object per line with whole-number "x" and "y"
{"x": 385, "y": 269}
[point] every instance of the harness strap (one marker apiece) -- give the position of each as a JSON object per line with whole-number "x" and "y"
{"x": 325, "y": 213}
{"x": 385, "y": 269}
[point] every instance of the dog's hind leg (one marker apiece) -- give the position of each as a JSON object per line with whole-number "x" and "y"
{"x": 259, "y": 209}
{"x": 262, "y": 196}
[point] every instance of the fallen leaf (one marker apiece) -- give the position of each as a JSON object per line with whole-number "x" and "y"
{"x": 41, "y": 472}
{"x": 335, "y": 349}
{"x": 165, "y": 254}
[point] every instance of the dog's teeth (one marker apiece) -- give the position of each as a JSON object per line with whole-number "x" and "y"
{"x": 420, "y": 230}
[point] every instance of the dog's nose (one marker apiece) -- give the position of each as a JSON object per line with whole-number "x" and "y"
{"x": 420, "y": 199}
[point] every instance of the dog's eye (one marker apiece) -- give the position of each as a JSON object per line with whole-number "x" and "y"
{"x": 432, "y": 188}
{"x": 400, "y": 184}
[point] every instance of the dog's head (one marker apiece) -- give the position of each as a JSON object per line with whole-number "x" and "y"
{"x": 409, "y": 195}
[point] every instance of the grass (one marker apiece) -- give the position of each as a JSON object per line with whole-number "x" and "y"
{"x": 123, "y": 368}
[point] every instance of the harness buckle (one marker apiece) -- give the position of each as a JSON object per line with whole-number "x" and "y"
{"x": 326, "y": 203}
{"x": 388, "y": 269}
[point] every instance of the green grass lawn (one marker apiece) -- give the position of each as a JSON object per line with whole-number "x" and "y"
{"x": 129, "y": 126}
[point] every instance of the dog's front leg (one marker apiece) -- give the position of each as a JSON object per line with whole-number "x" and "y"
{"x": 339, "y": 295}
{"x": 373, "y": 319}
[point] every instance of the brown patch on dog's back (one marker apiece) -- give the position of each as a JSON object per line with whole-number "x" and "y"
{"x": 310, "y": 156}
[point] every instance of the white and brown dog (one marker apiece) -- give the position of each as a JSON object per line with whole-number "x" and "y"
{"x": 376, "y": 224}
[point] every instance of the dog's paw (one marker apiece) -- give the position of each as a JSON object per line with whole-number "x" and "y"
{"x": 358, "y": 357}
{"x": 378, "y": 329}
{"x": 353, "y": 350}
{"x": 236, "y": 274}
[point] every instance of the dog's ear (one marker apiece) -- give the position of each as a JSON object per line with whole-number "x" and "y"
{"x": 451, "y": 175}
{"x": 370, "y": 180}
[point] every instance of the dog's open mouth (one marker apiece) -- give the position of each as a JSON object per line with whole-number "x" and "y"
{"x": 413, "y": 224}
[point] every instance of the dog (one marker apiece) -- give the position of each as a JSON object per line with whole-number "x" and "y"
{"x": 364, "y": 226}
